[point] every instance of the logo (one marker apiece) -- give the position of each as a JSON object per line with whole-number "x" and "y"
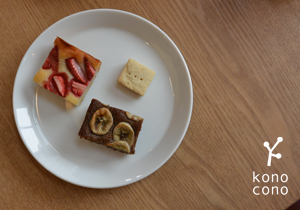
{"x": 278, "y": 155}
{"x": 272, "y": 182}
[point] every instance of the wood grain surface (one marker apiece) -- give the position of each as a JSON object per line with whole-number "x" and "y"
{"x": 243, "y": 58}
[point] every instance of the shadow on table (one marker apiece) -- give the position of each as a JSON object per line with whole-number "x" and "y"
{"x": 295, "y": 206}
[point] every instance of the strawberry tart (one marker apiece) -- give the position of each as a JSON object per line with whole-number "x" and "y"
{"x": 68, "y": 71}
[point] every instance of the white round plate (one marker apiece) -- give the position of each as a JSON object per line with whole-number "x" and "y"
{"x": 49, "y": 125}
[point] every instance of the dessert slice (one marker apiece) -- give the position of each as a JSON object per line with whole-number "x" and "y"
{"x": 68, "y": 71}
{"x": 112, "y": 127}
{"x": 136, "y": 77}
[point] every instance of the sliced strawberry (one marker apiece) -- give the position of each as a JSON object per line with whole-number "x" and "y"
{"x": 52, "y": 60}
{"x": 50, "y": 85}
{"x": 78, "y": 88}
{"x": 47, "y": 64}
{"x": 76, "y": 70}
{"x": 89, "y": 69}
{"x": 61, "y": 85}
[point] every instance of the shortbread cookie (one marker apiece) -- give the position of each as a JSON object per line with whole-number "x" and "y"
{"x": 136, "y": 77}
{"x": 112, "y": 127}
{"x": 68, "y": 71}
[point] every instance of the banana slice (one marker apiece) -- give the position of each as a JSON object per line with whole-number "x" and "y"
{"x": 124, "y": 132}
{"x": 133, "y": 117}
{"x": 101, "y": 121}
{"x": 120, "y": 145}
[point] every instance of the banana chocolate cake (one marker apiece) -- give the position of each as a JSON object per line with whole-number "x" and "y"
{"x": 112, "y": 127}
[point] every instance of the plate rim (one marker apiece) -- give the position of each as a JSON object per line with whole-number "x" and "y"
{"x": 186, "y": 71}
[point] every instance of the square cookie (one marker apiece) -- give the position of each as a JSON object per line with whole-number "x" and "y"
{"x": 136, "y": 77}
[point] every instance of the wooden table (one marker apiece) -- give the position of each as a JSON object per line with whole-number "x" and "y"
{"x": 243, "y": 58}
